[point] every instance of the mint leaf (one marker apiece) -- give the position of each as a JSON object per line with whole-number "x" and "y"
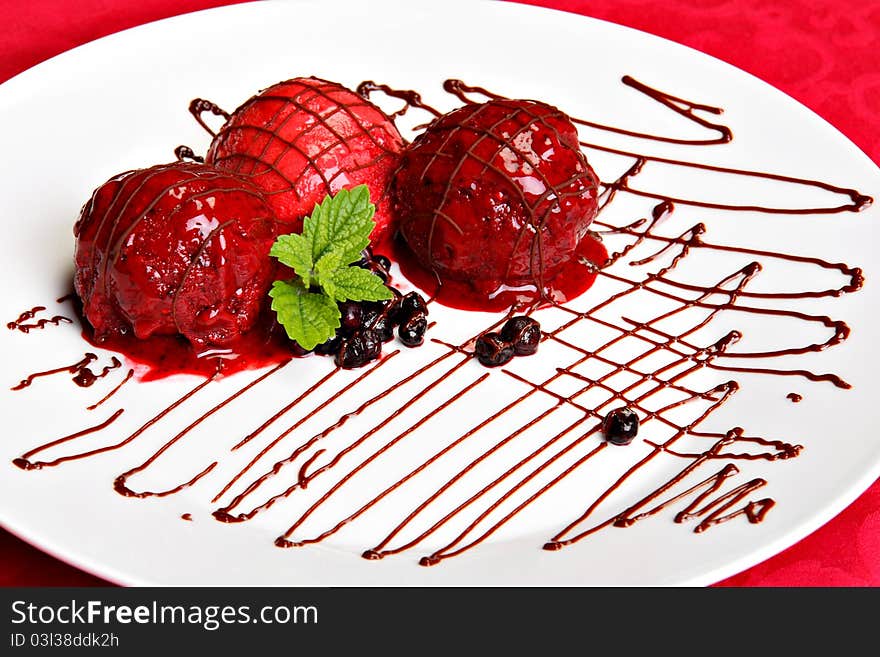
{"x": 341, "y": 223}
{"x": 333, "y": 237}
{"x": 356, "y": 284}
{"x": 309, "y": 318}
{"x": 295, "y": 251}
{"x": 324, "y": 270}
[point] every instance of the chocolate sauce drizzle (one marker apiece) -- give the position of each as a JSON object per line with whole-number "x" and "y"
{"x": 197, "y": 107}
{"x": 22, "y": 322}
{"x": 661, "y": 394}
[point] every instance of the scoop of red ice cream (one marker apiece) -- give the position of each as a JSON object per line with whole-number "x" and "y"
{"x": 496, "y": 194}
{"x": 176, "y": 248}
{"x": 305, "y": 138}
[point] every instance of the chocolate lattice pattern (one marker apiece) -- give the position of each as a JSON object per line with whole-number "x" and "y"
{"x": 649, "y": 335}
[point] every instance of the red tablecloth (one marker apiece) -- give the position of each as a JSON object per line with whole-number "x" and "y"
{"x": 822, "y": 52}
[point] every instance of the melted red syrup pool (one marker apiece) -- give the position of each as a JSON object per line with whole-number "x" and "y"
{"x": 166, "y": 355}
{"x": 573, "y": 279}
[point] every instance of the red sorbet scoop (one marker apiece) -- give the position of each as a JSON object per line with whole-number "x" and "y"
{"x": 496, "y": 195}
{"x": 177, "y": 248}
{"x": 305, "y": 138}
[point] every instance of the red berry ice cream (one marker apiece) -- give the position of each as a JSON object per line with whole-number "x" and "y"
{"x": 305, "y": 138}
{"x": 496, "y": 196}
{"x": 175, "y": 249}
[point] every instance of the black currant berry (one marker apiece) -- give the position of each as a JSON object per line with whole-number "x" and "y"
{"x": 620, "y": 426}
{"x": 383, "y": 262}
{"x": 382, "y": 327}
{"x": 378, "y": 271}
{"x": 492, "y": 350}
{"x": 330, "y": 347}
{"x": 412, "y": 330}
{"x": 358, "y": 349}
{"x": 351, "y": 314}
{"x": 297, "y": 350}
{"x": 410, "y": 304}
{"x": 524, "y": 333}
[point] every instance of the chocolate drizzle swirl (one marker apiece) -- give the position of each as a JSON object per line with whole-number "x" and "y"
{"x": 22, "y": 322}
{"x": 513, "y": 457}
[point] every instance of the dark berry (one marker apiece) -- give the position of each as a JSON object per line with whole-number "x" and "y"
{"x": 620, "y": 426}
{"x": 383, "y": 262}
{"x": 492, "y": 350}
{"x": 524, "y": 333}
{"x": 297, "y": 350}
{"x": 370, "y": 310}
{"x": 330, "y": 347}
{"x": 383, "y": 327}
{"x": 377, "y": 317}
{"x": 366, "y": 258}
{"x": 378, "y": 271}
{"x": 412, "y": 303}
{"x": 351, "y": 314}
{"x": 358, "y": 349}
{"x": 412, "y": 330}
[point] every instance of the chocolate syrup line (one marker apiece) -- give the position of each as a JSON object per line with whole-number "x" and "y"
{"x": 112, "y": 392}
{"x": 841, "y": 331}
{"x": 302, "y": 476}
{"x": 74, "y": 368}
{"x": 21, "y": 323}
{"x": 410, "y": 98}
{"x": 182, "y": 153}
{"x": 107, "y": 448}
{"x": 25, "y": 463}
{"x": 291, "y": 428}
{"x": 856, "y": 279}
{"x": 284, "y": 539}
{"x": 224, "y": 515}
{"x": 378, "y": 551}
{"x": 684, "y": 108}
{"x": 286, "y": 408}
{"x": 806, "y": 374}
{"x": 707, "y": 487}
{"x": 376, "y": 554}
{"x": 199, "y": 106}
{"x": 85, "y": 378}
{"x": 626, "y": 517}
{"x": 120, "y": 484}
{"x": 786, "y": 451}
{"x": 439, "y": 554}
{"x": 857, "y": 203}
{"x": 430, "y": 560}
{"x": 754, "y": 510}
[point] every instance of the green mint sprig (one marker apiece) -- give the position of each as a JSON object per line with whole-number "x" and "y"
{"x": 333, "y": 237}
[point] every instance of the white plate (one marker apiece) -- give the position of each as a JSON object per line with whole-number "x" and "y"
{"x": 121, "y": 103}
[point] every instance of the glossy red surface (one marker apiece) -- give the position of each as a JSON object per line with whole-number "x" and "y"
{"x": 494, "y": 196}
{"x": 305, "y": 138}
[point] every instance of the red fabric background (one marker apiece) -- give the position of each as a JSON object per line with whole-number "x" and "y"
{"x": 824, "y": 53}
